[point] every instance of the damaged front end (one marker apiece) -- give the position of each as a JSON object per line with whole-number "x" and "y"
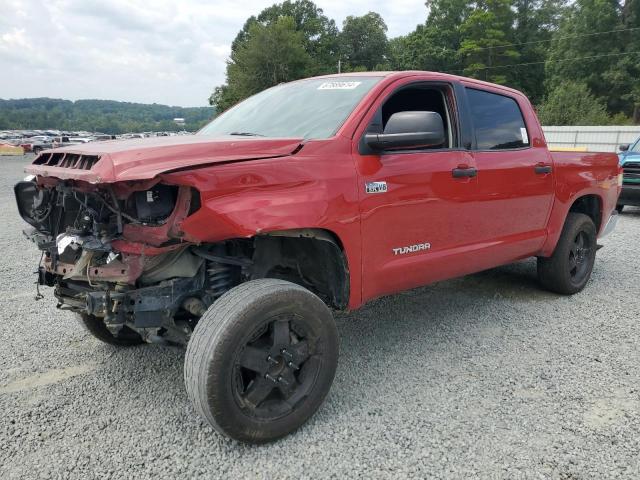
{"x": 116, "y": 252}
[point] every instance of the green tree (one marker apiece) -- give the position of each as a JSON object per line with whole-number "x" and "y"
{"x": 624, "y": 74}
{"x": 571, "y": 103}
{"x": 483, "y": 39}
{"x": 535, "y": 22}
{"x": 486, "y": 32}
{"x": 363, "y": 42}
{"x": 610, "y": 76}
{"x": 316, "y": 34}
{"x": 434, "y": 44}
{"x": 320, "y": 34}
{"x": 98, "y": 115}
{"x": 271, "y": 54}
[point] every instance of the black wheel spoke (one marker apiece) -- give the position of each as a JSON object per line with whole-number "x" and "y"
{"x": 300, "y": 351}
{"x": 277, "y": 367}
{"x": 287, "y": 383}
{"x": 258, "y": 390}
{"x": 281, "y": 335}
{"x": 579, "y": 256}
{"x": 303, "y": 388}
{"x": 254, "y": 359}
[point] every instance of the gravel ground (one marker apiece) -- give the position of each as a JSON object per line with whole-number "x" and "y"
{"x": 485, "y": 376}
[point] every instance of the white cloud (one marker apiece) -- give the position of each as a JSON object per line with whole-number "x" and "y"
{"x": 165, "y": 51}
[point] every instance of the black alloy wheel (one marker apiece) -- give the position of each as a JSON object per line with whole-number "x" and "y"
{"x": 277, "y": 368}
{"x": 579, "y": 257}
{"x": 568, "y": 270}
{"x": 261, "y": 360}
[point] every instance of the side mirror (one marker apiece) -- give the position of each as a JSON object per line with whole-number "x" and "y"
{"x": 409, "y": 130}
{"x": 624, "y": 147}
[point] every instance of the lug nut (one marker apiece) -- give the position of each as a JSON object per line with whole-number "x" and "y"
{"x": 286, "y": 353}
{"x": 293, "y": 365}
{"x": 272, "y": 360}
{"x": 283, "y": 381}
{"x": 271, "y": 378}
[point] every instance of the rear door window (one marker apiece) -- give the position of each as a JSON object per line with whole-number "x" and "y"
{"x": 497, "y": 120}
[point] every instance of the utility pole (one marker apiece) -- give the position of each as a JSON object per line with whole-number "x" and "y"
{"x": 339, "y": 65}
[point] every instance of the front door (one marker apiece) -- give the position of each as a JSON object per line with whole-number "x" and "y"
{"x": 417, "y": 207}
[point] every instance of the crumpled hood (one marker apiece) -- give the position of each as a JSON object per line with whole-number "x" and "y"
{"x": 144, "y": 158}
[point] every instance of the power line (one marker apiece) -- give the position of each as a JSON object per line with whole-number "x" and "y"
{"x": 566, "y": 37}
{"x": 560, "y": 38}
{"x": 553, "y": 61}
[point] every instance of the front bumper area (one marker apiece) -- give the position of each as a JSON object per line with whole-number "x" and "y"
{"x": 154, "y": 295}
{"x": 630, "y": 195}
{"x": 146, "y": 307}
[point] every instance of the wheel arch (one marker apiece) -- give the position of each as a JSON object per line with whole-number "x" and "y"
{"x": 590, "y": 205}
{"x": 312, "y": 257}
{"x": 588, "y": 202}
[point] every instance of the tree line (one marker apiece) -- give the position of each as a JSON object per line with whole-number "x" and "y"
{"x": 104, "y": 116}
{"x": 579, "y": 62}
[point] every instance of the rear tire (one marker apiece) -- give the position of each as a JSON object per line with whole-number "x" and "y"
{"x": 619, "y": 208}
{"x": 568, "y": 270}
{"x": 125, "y": 337}
{"x": 261, "y": 360}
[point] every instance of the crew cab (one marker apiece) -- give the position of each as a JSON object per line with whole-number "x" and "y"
{"x": 311, "y": 196}
{"x": 630, "y": 163}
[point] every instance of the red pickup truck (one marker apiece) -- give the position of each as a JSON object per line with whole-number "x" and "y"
{"x": 314, "y": 195}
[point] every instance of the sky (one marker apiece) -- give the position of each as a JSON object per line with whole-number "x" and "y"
{"x": 170, "y": 52}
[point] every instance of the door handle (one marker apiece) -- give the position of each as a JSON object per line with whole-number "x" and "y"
{"x": 542, "y": 168}
{"x": 464, "y": 171}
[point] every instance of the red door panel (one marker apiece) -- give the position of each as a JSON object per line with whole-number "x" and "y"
{"x": 424, "y": 204}
{"x": 513, "y": 199}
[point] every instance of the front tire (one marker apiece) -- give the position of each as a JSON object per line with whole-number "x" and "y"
{"x": 126, "y": 337}
{"x": 261, "y": 360}
{"x": 568, "y": 270}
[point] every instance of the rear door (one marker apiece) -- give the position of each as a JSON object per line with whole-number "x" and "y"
{"x": 515, "y": 173}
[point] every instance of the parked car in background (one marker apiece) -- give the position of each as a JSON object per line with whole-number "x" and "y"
{"x": 630, "y": 162}
{"x": 60, "y": 142}
{"x": 38, "y": 147}
{"x": 38, "y": 143}
{"x": 65, "y": 141}
{"x": 103, "y": 138}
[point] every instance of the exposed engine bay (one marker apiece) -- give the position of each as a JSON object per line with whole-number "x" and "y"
{"x": 116, "y": 252}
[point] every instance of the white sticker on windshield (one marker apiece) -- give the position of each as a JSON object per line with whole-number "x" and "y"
{"x": 523, "y": 133}
{"x": 338, "y": 85}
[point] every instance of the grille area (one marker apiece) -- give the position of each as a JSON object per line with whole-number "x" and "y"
{"x": 67, "y": 160}
{"x": 631, "y": 172}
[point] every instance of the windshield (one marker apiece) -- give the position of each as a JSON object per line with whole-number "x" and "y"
{"x": 314, "y": 108}
{"x": 635, "y": 148}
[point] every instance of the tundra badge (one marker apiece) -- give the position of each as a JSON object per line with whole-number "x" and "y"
{"x": 411, "y": 248}
{"x": 376, "y": 187}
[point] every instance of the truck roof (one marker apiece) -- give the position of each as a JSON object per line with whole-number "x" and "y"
{"x": 393, "y": 75}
